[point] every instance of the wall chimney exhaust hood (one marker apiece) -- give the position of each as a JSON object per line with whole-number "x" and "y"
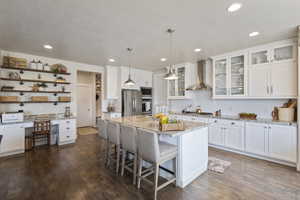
{"x": 200, "y": 85}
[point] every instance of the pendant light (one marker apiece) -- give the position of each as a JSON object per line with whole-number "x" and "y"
{"x": 171, "y": 75}
{"x": 129, "y": 81}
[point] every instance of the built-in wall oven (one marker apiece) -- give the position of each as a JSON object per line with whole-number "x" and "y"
{"x": 146, "y": 100}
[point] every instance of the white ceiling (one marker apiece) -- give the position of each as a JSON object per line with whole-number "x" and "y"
{"x": 91, "y": 31}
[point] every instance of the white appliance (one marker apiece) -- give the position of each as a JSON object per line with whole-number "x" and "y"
{"x": 12, "y": 117}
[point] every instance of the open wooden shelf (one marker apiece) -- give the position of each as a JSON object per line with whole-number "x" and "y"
{"x": 35, "y": 70}
{"x": 34, "y": 80}
{"x": 29, "y": 91}
{"x": 28, "y": 102}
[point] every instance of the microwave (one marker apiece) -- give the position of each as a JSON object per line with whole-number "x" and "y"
{"x": 146, "y": 91}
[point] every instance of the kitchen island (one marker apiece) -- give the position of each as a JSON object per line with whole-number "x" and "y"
{"x": 192, "y": 146}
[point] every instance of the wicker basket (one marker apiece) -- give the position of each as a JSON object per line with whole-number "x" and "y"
{"x": 64, "y": 99}
{"x": 179, "y": 126}
{"x": 9, "y": 98}
{"x": 39, "y": 98}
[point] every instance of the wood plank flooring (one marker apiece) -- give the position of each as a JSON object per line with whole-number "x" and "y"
{"x": 76, "y": 172}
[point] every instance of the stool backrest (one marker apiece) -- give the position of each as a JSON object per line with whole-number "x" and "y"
{"x": 113, "y": 132}
{"x": 102, "y": 128}
{"x": 128, "y": 138}
{"x": 41, "y": 127}
{"x": 148, "y": 147}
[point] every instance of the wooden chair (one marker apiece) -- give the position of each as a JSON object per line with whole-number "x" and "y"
{"x": 41, "y": 129}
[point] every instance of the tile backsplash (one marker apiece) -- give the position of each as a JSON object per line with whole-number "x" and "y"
{"x": 262, "y": 107}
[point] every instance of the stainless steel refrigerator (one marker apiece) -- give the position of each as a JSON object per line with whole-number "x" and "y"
{"x": 131, "y": 102}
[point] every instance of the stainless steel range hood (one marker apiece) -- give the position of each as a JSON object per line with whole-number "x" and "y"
{"x": 200, "y": 85}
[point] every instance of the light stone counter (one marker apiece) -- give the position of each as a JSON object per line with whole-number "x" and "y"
{"x": 147, "y": 122}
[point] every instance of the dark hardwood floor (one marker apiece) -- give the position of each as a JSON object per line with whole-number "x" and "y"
{"x": 76, "y": 172}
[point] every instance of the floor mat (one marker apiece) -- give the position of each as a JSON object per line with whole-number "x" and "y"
{"x": 217, "y": 165}
{"x": 87, "y": 131}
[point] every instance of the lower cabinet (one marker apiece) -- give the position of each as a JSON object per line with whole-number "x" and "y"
{"x": 274, "y": 141}
{"x": 234, "y": 136}
{"x": 257, "y": 138}
{"x": 67, "y": 131}
{"x": 283, "y": 142}
{"x": 216, "y": 134}
{"x": 227, "y": 133}
{"x": 13, "y": 140}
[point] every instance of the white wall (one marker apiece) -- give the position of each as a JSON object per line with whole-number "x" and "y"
{"x": 73, "y": 67}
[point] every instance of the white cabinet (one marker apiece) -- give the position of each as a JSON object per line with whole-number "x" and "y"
{"x": 229, "y": 75}
{"x": 273, "y": 71}
{"x": 216, "y": 134}
{"x": 186, "y": 78}
{"x": 274, "y": 141}
{"x": 283, "y": 142}
{"x": 257, "y": 138}
{"x": 67, "y": 131}
{"x": 13, "y": 140}
{"x": 268, "y": 71}
{"x": 112, "y": 82}
{"x": 227, "y": 133}
{"x": 234, "y": 136}
{"x": 273, "y": 80}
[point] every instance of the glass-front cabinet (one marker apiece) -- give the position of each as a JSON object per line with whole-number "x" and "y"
{"x": 177, "y": 88}
{"x": 273, "y": 54}
{"x": 220, "y": 74}
{"x": 229, "y": 76}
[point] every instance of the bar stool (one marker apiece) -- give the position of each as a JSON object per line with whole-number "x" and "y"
{"x": 41, "y": 129}
{"x": 156, "y": 153}
{"x": 129, "y": 145}
{"x": 102, "y": 131}
{"x": 113, "y": 134}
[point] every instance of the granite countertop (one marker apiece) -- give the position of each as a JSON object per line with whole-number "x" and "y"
{"x": 147, "y": 122}
{"x": 232, "y": 117}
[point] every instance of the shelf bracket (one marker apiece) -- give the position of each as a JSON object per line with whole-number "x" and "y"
{"x": 55, "y": 84}
{"x": 55, "y": 75}
{"x": 21, "y": 83}
{"x": 21, "y": 104}
{"x": 55, "y": 94}
{"x": 55, "y": 103}
{"x": 21, "y": 72}
{"x": 21, "y": 93}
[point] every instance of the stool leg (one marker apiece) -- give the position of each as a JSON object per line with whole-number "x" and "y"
{"x": 140, "y": 172}
{"x": 175, "y": 168}
{"x": 134, "y": 168}
{"x": 123, "y": 161}
{"x": 118, "y": 158}
{"x": 156, "y": 180}
{"x": 108, "y": 153}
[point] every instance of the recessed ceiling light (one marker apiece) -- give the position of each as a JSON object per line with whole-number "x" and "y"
{"x": 234, "y": 7}
{"x": 253, "y": 34}
{"x": 111, "y": 60}
{"x": 163, "y": 59}
{"x": 197, "y": 50}
{"x": 47, "y": 46}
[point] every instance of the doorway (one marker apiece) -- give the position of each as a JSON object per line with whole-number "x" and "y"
{"x": 84, "y": 105}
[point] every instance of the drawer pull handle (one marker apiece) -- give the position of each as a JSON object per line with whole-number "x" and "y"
{"x": 232, "y": 123}
{"x": 68, "y": 136}
{"x": 68, "y": 121}
{"x": 68, "y": 128}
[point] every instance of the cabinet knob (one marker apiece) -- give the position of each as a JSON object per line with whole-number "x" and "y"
{"x": 232, "y": 123}
{"x": 68, "y": 136}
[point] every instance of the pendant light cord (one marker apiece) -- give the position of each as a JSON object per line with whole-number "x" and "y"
{"x": 171, "y": 31}
{"x": 129, "y": 50}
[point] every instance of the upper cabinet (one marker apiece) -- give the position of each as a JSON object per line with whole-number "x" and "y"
{"x": 229, "y": 78}
{"x": 186, "y": 77}
{"x": 260, "y": 76}
{"x": 112, "y": 83}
